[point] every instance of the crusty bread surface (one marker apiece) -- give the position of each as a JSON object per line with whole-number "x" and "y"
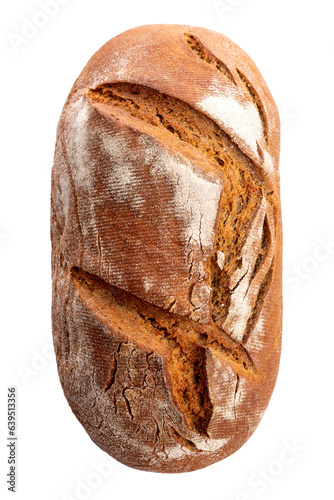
{"x": 167, "y": 248}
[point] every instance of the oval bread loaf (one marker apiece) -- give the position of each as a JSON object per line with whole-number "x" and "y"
{"x": 166, "y": 248}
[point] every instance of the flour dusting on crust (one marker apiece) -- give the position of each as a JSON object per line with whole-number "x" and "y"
{"x": 240, "y": 120}
{"x": 77, "y": 138}
{"x": 196, "y": 198}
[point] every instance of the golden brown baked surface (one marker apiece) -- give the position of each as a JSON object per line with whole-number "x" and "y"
{"x": 166, "y": 247}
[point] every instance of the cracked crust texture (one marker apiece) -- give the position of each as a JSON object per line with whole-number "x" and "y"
{"x": 166, "y": 248}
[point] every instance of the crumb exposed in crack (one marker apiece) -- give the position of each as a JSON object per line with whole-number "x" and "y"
{"x": 204, "y": 54}
{"x": 182, "y": 342}
{"x": 181, "y": 120}
{"x": 241, "y": 202}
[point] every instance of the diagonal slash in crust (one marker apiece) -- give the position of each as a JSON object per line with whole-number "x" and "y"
{"x": 180, "y": 341}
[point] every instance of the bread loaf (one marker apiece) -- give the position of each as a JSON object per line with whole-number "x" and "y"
{"x": 166, "y": 248}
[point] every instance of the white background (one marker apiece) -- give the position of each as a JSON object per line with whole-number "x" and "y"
{"x": 292, "y": 44}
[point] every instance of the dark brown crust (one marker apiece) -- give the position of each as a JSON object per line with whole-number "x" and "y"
{"x": 166, "y": 248}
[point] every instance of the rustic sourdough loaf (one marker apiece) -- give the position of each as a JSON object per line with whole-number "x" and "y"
{"x": 166, "y": 247}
